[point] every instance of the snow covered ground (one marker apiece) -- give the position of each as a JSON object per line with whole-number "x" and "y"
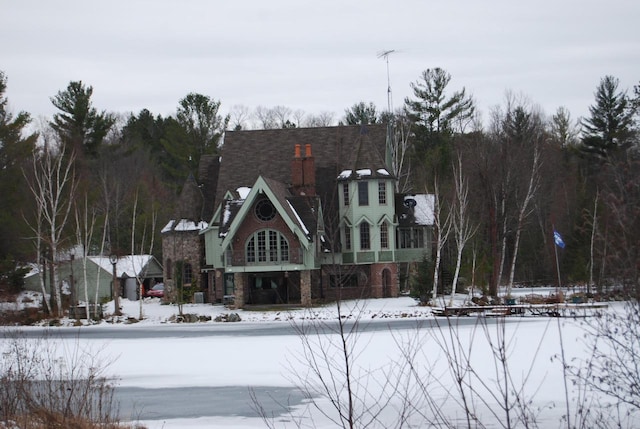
{"x": 533, "y": 349}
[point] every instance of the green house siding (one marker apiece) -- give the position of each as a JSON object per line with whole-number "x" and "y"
{"x": 410, "y": 255}
{"x": 348, "y": 258}
{"x": 366, "y": 257}
{"x": 377, "y": 208}
{"x": 385, "y": 256}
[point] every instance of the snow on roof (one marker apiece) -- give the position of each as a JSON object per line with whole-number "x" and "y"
{"x": 243, "y": 191}
{"x": 424, "y": 209}
{"x": 304, "y": 227}
{"x": 168, "y": 227}
{"x": 127, "y": 266}
{"x": 184, "y": 225}
{"x": 363, "y": 172}
{"x": 383, "y": 171}
{"x": 345, "y": 174}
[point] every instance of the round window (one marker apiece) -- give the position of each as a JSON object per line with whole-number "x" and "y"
{"x": 265, "y": 210}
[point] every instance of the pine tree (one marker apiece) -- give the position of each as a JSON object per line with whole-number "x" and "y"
{"x": 610, "y": 126}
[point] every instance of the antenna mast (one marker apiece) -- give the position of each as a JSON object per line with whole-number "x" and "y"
{"x": 385, "y": 55}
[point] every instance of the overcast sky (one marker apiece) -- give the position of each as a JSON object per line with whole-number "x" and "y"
{"x": 316, "y": 56}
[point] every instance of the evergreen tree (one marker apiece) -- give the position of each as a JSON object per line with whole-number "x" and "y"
{"x": 610, "y": 126}
{"x": 79, "y": 125}
{"x": 361, "y": 114}
{"x": 436, "y": 117}
{"x": 15, "y": 153}
{"x": 198, "y": 115}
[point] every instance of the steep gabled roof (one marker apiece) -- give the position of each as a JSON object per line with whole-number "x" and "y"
{"x": 299, "y": 213}
{"x": 268, "y": 153}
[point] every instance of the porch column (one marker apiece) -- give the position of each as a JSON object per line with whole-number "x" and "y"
{"x": 305, "y": 288}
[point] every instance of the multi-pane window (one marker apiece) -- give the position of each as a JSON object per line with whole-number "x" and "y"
{"x": 188, "y": 274}
{"x": 262, "y": 246}
{"x": 284, "y": 249}
{"x": 410, "y": 238}
{"x": 363, "y": 193}
{"x": 382, "y": 192}
{"x": 347, "y": 238}
{"x": 365, "y": 242}
{"x": 267, "y": 246}
{"x": 384, "y": 236}
{"x": 345, "y": 193}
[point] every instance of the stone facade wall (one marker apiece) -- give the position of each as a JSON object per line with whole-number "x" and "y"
{"x": 181, "y": 246}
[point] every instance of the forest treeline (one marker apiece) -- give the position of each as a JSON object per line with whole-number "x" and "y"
{"x": 107, "y": 181}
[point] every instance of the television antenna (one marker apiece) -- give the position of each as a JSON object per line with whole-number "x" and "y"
{"x": 385, "y": 55}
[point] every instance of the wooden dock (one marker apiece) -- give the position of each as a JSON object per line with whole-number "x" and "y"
{"x": 548, "y": 310}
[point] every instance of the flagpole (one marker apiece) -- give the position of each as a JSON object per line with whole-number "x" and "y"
{"x": 555, "y": 250}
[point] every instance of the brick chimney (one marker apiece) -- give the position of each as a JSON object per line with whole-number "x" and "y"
{"x": 297, "y": 179}
{"x": 303, "y": 172}
{"x": 309, "y": 171}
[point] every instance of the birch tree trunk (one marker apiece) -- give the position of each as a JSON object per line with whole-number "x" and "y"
{"x": 532, "y": 188}
{"x": 53, "y": 186}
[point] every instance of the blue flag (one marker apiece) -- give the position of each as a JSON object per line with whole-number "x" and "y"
{"x": 558, "y": 239}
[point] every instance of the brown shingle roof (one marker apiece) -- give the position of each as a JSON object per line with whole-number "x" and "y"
{"x": 249, "y": 154}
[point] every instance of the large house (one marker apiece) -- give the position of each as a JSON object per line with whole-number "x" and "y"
{"x": 295, "y": 216}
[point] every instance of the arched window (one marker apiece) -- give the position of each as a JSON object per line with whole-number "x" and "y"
{"x": 267, "y": 246}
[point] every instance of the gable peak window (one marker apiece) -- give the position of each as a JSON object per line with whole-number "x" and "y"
{"x": 265, "y": 211}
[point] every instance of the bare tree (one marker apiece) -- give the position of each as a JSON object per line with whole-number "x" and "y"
{"x": 282, "y": 115}
{"x": 85, "y": 226}
{"x": 323, "y": 119}
{"x": 525, "y": 209}
{"x": 463, "y": 230}
{"x": 53, "y": 186}
{"x": 266, "y": 117}
{"x": 238, "y": 116}
{"x": 442, "y": 228}
{"x": 612, "y": 369}
{"x": 399, "y": 148}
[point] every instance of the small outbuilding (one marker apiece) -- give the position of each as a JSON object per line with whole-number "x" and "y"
{"x": 96, "y": 272}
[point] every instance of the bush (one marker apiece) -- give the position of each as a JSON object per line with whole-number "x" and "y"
{"x": 42, "y": 386}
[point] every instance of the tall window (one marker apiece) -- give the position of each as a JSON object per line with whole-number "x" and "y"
{"x": 267, "y": 246}
{"x": 347, "y": 238}
{"x": 365, "y": 242}
{"x": 382, "y": 192}
{"x": 345, "y": 193}
{"x": 169, "y": 266}
{"x": 363, "y": 193}
{"x": 188, "y": 274}
{"x": 384, "y": 236}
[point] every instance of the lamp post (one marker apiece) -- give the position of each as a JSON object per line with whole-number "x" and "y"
{"x": 115, "y": 289}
